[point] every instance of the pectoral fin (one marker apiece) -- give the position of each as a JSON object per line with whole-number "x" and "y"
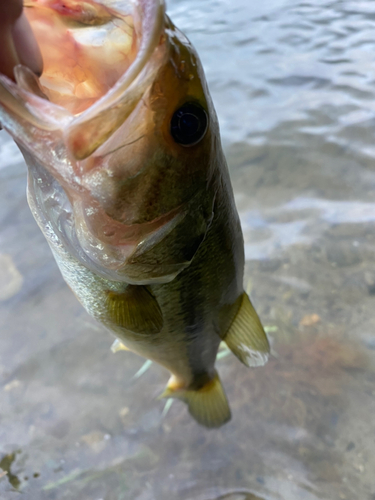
{"x": 207, "y": 405}
{"x": 246, "y": 337}
{"x": 135, "y": 309}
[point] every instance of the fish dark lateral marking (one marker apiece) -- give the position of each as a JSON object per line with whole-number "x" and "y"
{"x": 147, "y": 236}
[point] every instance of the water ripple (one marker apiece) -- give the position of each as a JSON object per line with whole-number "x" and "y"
{"x": 305, "y": 227}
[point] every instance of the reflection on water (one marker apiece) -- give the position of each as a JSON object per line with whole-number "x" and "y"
{"x": 299, "y": 221}
{"x": 293, "y": 86}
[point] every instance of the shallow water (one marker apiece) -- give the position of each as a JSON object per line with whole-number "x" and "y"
{"x": 294, "y": 90}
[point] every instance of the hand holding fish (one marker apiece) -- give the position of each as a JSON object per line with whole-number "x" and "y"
{"x": 129, "y": 184}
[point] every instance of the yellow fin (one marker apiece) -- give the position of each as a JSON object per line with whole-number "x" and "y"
{"x": 135, "y": 309}
{"x": 118, "y": 346}
{"x": 207, "y": 405}
{"x": 246, "y": 337}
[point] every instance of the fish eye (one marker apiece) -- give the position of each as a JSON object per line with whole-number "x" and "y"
{"x": 189, "y": 124}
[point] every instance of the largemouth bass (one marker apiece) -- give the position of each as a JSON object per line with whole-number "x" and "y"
{"x": 129, "y": 184}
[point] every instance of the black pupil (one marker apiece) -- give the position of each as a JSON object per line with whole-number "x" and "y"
{"x": 189, "y": 124}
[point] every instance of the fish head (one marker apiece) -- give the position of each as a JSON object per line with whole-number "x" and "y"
{"x": 119, "y": 134}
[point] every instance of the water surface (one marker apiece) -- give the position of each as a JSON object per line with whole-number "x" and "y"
{"x": 294, "y": 89}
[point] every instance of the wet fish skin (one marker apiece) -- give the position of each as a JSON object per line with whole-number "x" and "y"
{"x": 145, "y": 230}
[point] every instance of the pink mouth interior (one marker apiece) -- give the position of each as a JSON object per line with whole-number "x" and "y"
{"x": 86, "y": 47}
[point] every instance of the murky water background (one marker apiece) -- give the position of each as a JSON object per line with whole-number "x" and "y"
{"x": 293, "y": 84}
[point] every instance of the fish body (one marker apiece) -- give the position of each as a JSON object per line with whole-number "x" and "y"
{"x": 129, "y": 184}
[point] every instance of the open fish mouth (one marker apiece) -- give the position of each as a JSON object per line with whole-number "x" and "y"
{"x": 75, "y": 124}
{"x": 97, "y": 65}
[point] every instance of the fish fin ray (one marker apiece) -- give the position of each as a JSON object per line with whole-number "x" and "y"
{"x": 246, "y": 337}
{"x": 207, "y": 405}
{"x": 135, "y": 309}
{"x": 118, "y": 346}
